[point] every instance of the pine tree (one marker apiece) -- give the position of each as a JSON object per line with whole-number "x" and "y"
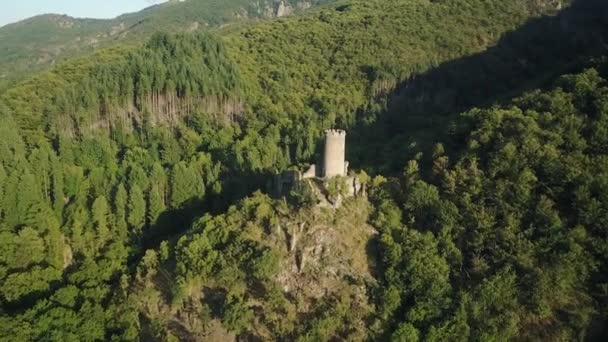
{"x": 158, "y": 177}
{"x": 55, "y": 245}
{"x": 10, "y": 200}
{"x": 28, "y": 198}
{"x": 100, "y": 218}
{"x": 186, "y": 185}
{"x": 137, "y": 208}
{"x": 120, "y": 208}
{"x": 58, "y": 184}
{"x": 156, "y": 205}
{"x": 137, "y": 176}
{"x": 3, "y": 177}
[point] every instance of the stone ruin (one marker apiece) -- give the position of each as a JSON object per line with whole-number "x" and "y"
{"x": 334, "y": 164}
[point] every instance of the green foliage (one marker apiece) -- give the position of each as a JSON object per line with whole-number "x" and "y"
{"x": 137, "y": 208}
{"x": 156, "y": 205}
{"x": 329, "y": 320}
{"x": 23, "y": 250}
{"x": 120, "y": 208}
{"x": 187, "y": 185}
{"x": 302, "y": 194}
{"x": 406, "y": 333}
{"x": 498, "y": 234}
{"x": 37, "y": 279}
{"x": 336, "y": 187}
{"x": 164, "y": 251}
{"x": 36, "y": 43}
{"x": 164, "y": 80}
{"x": 507, "y": 211}
{"x": 99, "y": 214}
{"x": 265, "y": 265}
{"x": 216, "y": 243}
{"x": 236, "y": 315}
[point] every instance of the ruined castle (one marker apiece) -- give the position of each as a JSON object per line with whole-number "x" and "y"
{"x": 333, "y": 164}
{"x": 334, "y": 153}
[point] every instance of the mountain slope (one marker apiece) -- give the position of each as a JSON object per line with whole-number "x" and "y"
{"x": 36, "y": 43}
{"x": 323, "y": 66}
{"x": 128, "y": 202}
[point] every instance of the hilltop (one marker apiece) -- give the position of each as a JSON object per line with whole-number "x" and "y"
{"x": 37, "y": 43}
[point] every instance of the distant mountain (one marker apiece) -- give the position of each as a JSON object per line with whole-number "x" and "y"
{"x": 34, "y": 44}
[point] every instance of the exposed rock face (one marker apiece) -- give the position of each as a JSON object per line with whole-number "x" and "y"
{"x": 116, "y": 29}
{"x": 327, "y": 250}
{"x": 62, "y": 21}
{"x": 193, "y": 27}
{"x": 283, "y": 9}
{"x": 548, "y": 5}
{"x": 280, "y": 8}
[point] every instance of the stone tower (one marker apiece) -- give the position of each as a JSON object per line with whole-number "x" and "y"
{"x": 334, "y": 163}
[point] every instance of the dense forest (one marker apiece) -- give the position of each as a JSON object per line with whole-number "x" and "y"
{"x": 38, "y": 43}
{"x": 134, "y": 205}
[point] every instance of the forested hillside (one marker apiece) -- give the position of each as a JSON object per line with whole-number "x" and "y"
{"x": 128, "y": 202}
{"x": 37, "y": 43}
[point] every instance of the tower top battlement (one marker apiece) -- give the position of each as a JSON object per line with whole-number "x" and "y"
{"x": 335, "y": 132}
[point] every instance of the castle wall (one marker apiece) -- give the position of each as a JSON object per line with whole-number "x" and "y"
{"x": 335, "y": 151}
{"x": 311, "y": 172}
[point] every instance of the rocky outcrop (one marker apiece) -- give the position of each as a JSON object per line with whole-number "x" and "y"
{"x": 283, "y": 9}
{"x": 279, "y": 8}
{"x": 327, "y": 250}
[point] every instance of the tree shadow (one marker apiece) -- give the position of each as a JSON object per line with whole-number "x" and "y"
{"x": 423, "y": 109}
{"x": 372, "y": 250}
{"x": 173, "y": 223}
{"x": 215, "y": 299}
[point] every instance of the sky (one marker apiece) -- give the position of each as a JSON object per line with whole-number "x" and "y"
{"x": 15, "y": 10}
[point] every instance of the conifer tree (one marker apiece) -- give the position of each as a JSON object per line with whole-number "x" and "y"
{"x": 156, "y": 205}
{"x": 186, "y": 185}
{"x": 158, "y": 177}
{"x": 3, "y": 177}
{"x": 28, "y": 198}
{"x": 137, "y": 176}
{"x": 120, "y": 208}
{"x": 9, "y": 201}
{"x": 58, "y": 184}
{"x": 137, "y": 208}
{"x": 100, "y": 218}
